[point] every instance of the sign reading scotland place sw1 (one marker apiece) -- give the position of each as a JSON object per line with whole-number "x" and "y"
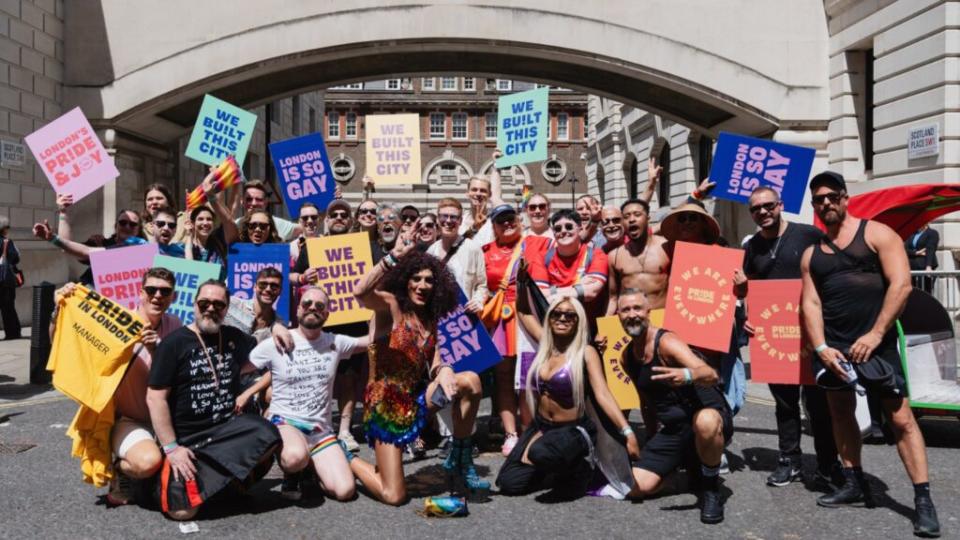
{"x": 743, "y": 164}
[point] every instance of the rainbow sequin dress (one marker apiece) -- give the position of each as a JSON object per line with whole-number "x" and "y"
{"x": 394, "y": 406}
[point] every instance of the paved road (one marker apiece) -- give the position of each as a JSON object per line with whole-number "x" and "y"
{"x": 42, "y": 496}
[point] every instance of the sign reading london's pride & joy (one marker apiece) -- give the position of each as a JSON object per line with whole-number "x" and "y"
{"x": 700, "y": 300}
{"x": 775, "y": 347}
{"x": 118, "y": 273}
{"x": 71, "y": 156}
{"x": 341, "y": 261}
{"x": 393, "y": 148}
{"x": 619, "y": 383}
{"x": 244, "y": 261}
{"x": 221, "y": 130}
{"x": 189, "y": 275}
{"x": 522, "y": 126}
{"x": 743, "y": 164}
{"x": 464, "y": 343}
{"x": 304, "y": 171}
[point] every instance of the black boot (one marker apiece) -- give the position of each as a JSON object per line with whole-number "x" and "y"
{"x": 854, "y": 492}
{"x": 711, "y": 509}
{"x": 926, "y": 524}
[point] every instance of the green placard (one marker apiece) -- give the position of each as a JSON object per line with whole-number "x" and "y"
{"x": 523, "y": 122}
{"x": 221, "y": 130}
{"x": 190, "y": 274}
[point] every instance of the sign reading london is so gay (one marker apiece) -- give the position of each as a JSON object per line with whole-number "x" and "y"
{"x": 700, "y": 300}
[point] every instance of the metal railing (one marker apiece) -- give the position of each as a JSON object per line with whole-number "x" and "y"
{"x": 946, "y": 287}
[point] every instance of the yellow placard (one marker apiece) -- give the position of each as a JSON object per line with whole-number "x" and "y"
{"x": 393, "y": 148}
{"x": 618, "y": 381}
{"x": 656, "y": 317}
{"x": 341, "y": 262}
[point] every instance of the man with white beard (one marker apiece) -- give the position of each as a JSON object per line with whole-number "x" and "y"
{"x": 193, "y": 387}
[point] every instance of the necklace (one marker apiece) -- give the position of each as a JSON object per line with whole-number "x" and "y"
{"x": 776, "y": 246}
{"x": 203, "y": 347}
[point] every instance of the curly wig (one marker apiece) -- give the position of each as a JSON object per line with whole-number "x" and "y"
{"x": 443, "y": 299}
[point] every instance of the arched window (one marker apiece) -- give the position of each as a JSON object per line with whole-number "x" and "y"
{"x": 631, "y": 173}
{"x": 663, "y": 188}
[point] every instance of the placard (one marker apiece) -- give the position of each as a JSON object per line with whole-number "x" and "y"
{"x": 621, "y": 386}
{"x": 118, "y": 273}
{"x": 742, "y": 164}
{"x": 700, "y": 299}
{"x": 775, "y": 348}
{"x": 523, "y": 123}
{"x": 393, "y": 148}
{"x": 190, "y": 275}
{"x": 221, "y": 130}
{"x": 341, "y": 261}
{"x": 71, "y": 156}
{"x": 464, "y": 343}
{"x": 303, "y": 172}
{"x": 245, "y": 260}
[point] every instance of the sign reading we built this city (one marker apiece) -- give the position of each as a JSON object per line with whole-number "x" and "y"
{"x": 341, "y": 261}
{"x": 743, "y": 164}
{"x": 221, "y": 130}
{"x": 189, "y": 275}
{"x": 523, "y": 122}
{"x": 304, "y": 172}
{"x": 71, "y": 156}
{"x": 393, "y": 148}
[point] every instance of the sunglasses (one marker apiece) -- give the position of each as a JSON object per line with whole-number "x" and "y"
{"x": 611, "y": 221}
{"x": 339, "y": 214}
{"x": 258, "y": 226}
{"x": 127, "y": 223}
{"x": 307, "y": 304}
{"x": 152, "y": 291}
{"x": 427, "y": 225}
{"x": 217, "y": 305}
{"x": 536, "y": 207}
{"x": 165, "y": 224}
{"x": 505, "y": 220}
{"x": 264, "y": 285}
{"x": 366, "y": 211}
{"x": 313, "y": 217}
{"x": 409, "y": 218}
{"x": 688, "y": 218}
{"x": 834, "y": 198}
{"x": 564, "y": 316}
{"x": 768, "y": 206}
{"x": 564, "y": 227}
{"x": 387, "y": 217}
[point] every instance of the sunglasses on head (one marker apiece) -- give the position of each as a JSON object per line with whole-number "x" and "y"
{"x": 768, "y": 206}
{"x": 258, "y": 226}
{"x": 448, "y": 217}
{"x": 560, "y": 227}
{"x": 312, "y": 217}
{"x": 152, "y": 291}
{"x": 165, "y": 224}
{"x": 536, "y": 207}
{"x": 339, "y": 214}
{"x": 307, "y": 304}
{"x": 366, "y": 211}
{"x": 217, "y": 305}
{"x": 558, "y": 315}
{"x": 688, "y": 218}
{"x": 264, "y": 285}
{"x": 834, "y": 198}
{"x": 127, "y": 223}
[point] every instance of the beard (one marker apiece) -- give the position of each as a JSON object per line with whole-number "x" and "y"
{"x": 208, "y": 324}
{"x": 832, "y": 217}
{"x": 311, "y": 321}
{"x": 635, "y": 327}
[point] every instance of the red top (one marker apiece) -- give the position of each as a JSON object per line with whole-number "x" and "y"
{"x": 497, "y": 257}
{"x": 562, "y": 271}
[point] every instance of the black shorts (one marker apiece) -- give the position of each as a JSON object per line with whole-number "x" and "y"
{"x": 674, "y": 443}
{"x": 882, "y": 375}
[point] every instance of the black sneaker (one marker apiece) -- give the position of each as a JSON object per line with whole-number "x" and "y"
{"x": 785, "y": 473}
{"x": 290, "y": 487}
{"x": 926, "y": 525}
{"x": 850, "y": 494}
{"x": 712, "y": 510}
{"x": 831, "y": 477}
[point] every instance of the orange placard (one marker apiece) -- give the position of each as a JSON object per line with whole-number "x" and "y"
{"x": 700, "y": 300}
{"x": 774, "y": 311}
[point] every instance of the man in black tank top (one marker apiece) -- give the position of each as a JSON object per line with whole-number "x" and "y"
{"x": 774, "y": 253}
{"x": 855, "y": 284}
{"x": 684, "y": 411}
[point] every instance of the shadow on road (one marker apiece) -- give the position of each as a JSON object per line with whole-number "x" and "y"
{"x": 22, "y": 391}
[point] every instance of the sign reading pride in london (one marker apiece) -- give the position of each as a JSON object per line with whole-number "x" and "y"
{"x": 221, "y": 130}
{"x": 118, "y": 273}
{"x": 393, "y": 148}
{"x": 244, "y": 261}
{"x": 775, "y": 347}
{"x": 71, "y": 155}
{"x": 742, "y": 164}
{"x": 523, "y": 121}
{"x": 304, "y": 172}
{"x": 464, "y": 343}
{"x": 341, "y": 261}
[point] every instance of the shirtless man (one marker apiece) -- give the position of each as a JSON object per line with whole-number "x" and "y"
{"x": 641, "y": 262}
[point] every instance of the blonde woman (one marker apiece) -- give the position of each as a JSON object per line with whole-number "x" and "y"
{"x": 565, "y": 371}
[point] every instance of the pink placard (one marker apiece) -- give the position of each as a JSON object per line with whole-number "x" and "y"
{"x": 118, "y": 272}
{"x": 71, "y": 155}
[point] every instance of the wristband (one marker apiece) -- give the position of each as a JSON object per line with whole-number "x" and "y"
{"x": 627, "y": 431}
{"x": 437, "y": 371}
{"x": 820, "y": 348}
{"x": 696, "y": 194}
{"x": 687, "y": 376}
{"x": 389, "y": 260}
{"x": 169, "y": 448}
{"x": 55, "y": 240}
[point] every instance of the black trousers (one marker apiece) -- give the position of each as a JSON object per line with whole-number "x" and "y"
{"x": 558, "y": 455}
{"x": 8, "y": 312}
{"x": 787, "y": 397}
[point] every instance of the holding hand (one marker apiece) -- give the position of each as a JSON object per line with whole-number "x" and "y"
{"x": 831, "y": 359}
{"x": 448, "y": 381}
{"x": 633, "y": 447}
{"x": 43, "y": 230}
{"x": 150, "y": 338}
{"x": 181, "y": 461}
{"x": 64, "y": 201}
{"x": 474, "y": 306}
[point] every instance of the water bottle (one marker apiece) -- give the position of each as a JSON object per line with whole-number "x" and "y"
{"x": 851, "y": 376}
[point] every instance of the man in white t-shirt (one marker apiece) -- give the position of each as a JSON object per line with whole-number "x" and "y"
{"x": 303, "y": 398}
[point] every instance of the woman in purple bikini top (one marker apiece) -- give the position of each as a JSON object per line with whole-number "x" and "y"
{"x": 558, "y": 387}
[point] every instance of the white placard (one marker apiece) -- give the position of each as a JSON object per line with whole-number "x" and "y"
{"x": 923, "y": 141}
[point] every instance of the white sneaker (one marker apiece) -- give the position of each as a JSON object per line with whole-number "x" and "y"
{"x": 352, "y": 444}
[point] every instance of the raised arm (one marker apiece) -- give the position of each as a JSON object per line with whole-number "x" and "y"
{"x": 496, "y": 185}
{"x": 653, "y": 178}
{"x": 367, "y": 291}
{"x": 78, "y": 250}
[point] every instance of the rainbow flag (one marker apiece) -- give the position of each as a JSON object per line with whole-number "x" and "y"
{"x": 226, "y": 175}
{"x": 525, "y": 195}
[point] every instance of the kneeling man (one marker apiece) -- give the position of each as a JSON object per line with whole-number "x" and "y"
{"x": 194, "y": 382}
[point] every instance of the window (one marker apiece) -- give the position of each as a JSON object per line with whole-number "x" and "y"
{"x": 469, "y": 83}
{"x": 393, "y": 84}
{"x": 273, "y": 111}
{"x": 490, "y": 125}
{"x": 350, "y": 128}
{"x": 297, "y": 124}
{"x": 459, "y": 125}
{"x": 448, "y": 173}
{"x": 351, "y": 86}
{"x": 491, "y": 85}
{"x": 333, "y": 125}
{"x": 429, "y": 83}
{"x": 663, "y": 188}
{"x": 438, "y": 126}
{"x": 312, "y": 120}
{"x": 563, "y": 127}
{"x": 504, "y": 85}
{"x": 868, "y": 110}
{"x": 448, "y": 84}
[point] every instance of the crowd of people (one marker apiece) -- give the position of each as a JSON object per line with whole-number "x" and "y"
{"x": 538, "y": 280}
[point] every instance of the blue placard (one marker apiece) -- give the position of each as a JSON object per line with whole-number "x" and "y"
{"x": 464, "y": 343}
{"x": 303, "y": 172}
{"x": 245, "y": 260}
{"x": 742, "y": 164}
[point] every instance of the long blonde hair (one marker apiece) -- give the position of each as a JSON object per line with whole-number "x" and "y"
{"x": 575, "y": 354}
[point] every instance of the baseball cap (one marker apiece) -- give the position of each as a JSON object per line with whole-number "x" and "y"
{"x": 339, "y": 203}
{"x": 501, "y": 209}
{"x": 828, "y": 178}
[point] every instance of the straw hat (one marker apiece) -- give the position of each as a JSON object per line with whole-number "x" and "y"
{"x": 670, "y": 227}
